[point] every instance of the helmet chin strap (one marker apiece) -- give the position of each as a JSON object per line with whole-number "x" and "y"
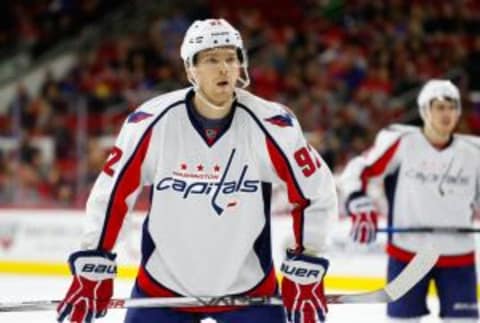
{"x": 210, "y": 104}
{"x": 202, "y": 97}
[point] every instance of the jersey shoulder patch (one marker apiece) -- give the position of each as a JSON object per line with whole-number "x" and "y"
{"x": 268, "y": 112}
{"x": 138, "y": 116}
{"x": 277, "y": 121}
{"x": 281, "y": 120}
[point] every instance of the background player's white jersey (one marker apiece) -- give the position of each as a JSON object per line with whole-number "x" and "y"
{"x": 207, "y": 230}
{"x": 424, "y": 185}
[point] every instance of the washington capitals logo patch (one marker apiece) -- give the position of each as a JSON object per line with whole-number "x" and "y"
{"x": 138, "y": 116}
{"x": 281, "y": 120}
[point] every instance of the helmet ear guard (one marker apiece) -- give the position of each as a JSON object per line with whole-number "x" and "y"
{"x": 242, "y": 55}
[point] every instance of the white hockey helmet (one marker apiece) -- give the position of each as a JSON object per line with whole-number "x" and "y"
{"x": 437, "y": 89}
{"x": 213, "y": 33}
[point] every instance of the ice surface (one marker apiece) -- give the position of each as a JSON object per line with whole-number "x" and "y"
{"x": 26, "y": 288}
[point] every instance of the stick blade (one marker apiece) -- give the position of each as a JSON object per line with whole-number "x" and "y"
{"x": 418, "y": 267}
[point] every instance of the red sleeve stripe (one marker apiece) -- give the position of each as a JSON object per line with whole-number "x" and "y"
{"x": 378, "y": 167}
{"x": 128, "y": 181}
{"x": 295, "y": 195}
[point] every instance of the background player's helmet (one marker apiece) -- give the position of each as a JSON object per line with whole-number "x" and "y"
{"x": 437, "y": 89}
{"x": 212, "y": 33}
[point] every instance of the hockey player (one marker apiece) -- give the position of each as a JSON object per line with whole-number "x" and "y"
{"x": 211, "y": 154}
{"x": 431, "y": 178}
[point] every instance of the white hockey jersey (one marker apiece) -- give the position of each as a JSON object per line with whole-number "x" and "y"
{"x": 208, "y": 227}
{"x": 424, "y": 186}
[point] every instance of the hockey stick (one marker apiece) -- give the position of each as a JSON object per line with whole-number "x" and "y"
{"x": 418, "y": 267}
{"x": 451, "y": 230}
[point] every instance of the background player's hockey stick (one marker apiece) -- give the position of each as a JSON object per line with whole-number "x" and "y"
{"x": 418, "y": 267}
{"x": 452, "y": 230}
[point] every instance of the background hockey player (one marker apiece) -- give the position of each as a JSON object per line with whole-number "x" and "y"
{"x": 211, "y": 154}
{"x": 431, "y": 178}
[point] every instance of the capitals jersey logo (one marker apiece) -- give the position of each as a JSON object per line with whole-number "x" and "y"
{"x": 138, "y": 116}
{"x": 281, "y": 120}
{"x": 215, "y": 189}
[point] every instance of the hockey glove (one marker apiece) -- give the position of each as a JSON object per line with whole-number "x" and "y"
{"x": 92, "y": 287}
{"x": 364, "y": 216}
{"x": 302, "y": 288}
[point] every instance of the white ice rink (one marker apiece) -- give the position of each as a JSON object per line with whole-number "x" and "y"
{"x": 23, "y": 288}
{"x": 49, "y": 238}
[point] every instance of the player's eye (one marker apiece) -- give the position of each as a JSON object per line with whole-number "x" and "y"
{"x": 211, "y": 60}
{"x": 231, "y": 60}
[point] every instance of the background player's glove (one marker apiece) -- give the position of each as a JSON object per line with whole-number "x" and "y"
{"x": 364, "y": 216}
{"x": 92, "y": 287}
{"x": 302, "y": 288}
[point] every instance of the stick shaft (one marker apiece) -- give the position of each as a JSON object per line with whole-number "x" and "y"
{"x": 450, "y": 230}
{"x": 176, "y": 302}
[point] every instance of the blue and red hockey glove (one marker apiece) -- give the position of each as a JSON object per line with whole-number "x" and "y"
{"x": 302, "y": 288}
{"x": 364, "y": 216}
{"x": 92, "y": 287}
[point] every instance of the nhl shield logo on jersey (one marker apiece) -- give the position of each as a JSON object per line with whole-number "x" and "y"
{"x": 203, "y": 185}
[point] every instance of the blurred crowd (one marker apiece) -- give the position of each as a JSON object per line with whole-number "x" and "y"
{"x": 346, "y": 69}
{"x": 39, "y": 25}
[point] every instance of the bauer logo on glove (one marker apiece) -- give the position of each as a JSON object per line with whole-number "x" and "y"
{"x": 302, "y": 288}
{"x": 99, "y": 269}
{"x": 303, "y": 274}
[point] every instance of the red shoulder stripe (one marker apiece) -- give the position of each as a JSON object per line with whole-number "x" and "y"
{"x": 379, "y": 165}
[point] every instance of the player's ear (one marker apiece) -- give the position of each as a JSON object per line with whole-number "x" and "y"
{"x": 188, "y": 71}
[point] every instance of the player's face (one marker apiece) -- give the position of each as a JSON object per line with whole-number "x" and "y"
{"x": 216, "y": 72}
{"x": 444, "y": 115}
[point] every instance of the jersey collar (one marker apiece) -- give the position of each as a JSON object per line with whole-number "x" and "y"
{"x": 198, "y": 125}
